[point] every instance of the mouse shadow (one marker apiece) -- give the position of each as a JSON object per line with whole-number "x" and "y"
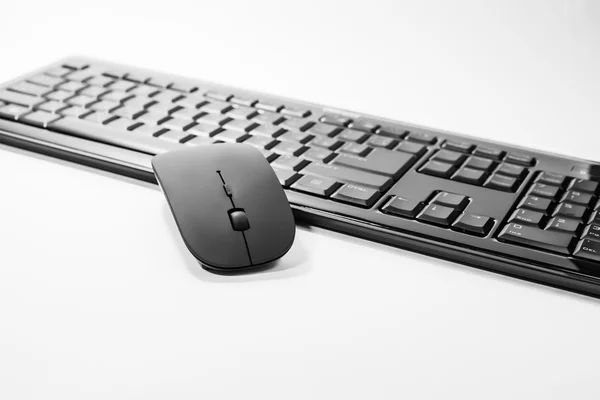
{"x": 295, "y": 262}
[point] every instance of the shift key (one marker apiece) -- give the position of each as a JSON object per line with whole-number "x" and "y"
{"x": 379, "y": 161}
{"x": 530, "y": 236}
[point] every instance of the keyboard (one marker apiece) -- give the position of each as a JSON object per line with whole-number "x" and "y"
{"x": 516, "y": 211}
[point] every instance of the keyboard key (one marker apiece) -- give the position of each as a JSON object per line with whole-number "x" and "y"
{"x": 100, "y": 117}
{"x": 59, "y": 95}
{"x": 117, "y": 96}
{"x": 240, "y": 125}
{"x": 588, "y": 249}
{"x": 595, "y": 217}
{"x": 129, "y": 112}
{"x": 403, "y": 206}
{"x": 286, "y": 176}
{"x": 564, "y": 224}
{"x": 216, "y": 107}
{"x": 513, "y": 170}
{"x": 71, "y": 86}
{"x": 124, "y": 124}
{"x": 268, "y": 118}
{"x": 186, "y": 113}
{"x": 570, "y": 210}
{"x": 291, "y": 148}
{"x": 395, "y": 131}
{"x": 105, "y": 134}
{"x": 543, "y": 239}
{"x": 20, "y": 99}
{"x": 290, "y": 162}
{"x": 365, "y": 125}
{"x": 152, "y": 118}
{"x": 92, "y": 91}
{"x": 40, "y": 118}
{"x": 81, "y": 76}
{"x": 451, "y": 200}
{"x": 319, "y": 155}
{"x": 214, "y": 119}
{"x": 13, "y": 111}
{"x": 75, "y": 64}
{"x": 52, "y": 106}
{"x": 591, "y": 232}
{"x": 521, "y": 159}
{"x": 46, "y": 80}
{"x": 582, "y": 185}
{"x": 192, "y": 101}
{"x": 262, "y": 142}
{"x": 355, "y": 148}
{"x": 148, "y": 130}
{"x": 357, "y": 195}
{"x": 352, "y": 135}
{"x": 479, "y": 163}
{"x": 105, "y": 106}
{"x": 219, "y": 96}
{"x": 268, "y": 131}
{"x": 30, "y": 88}
{"x": 58, "y": 72}
{"x": 267, "y": 106}
{"x": 451, "y": 157}
{"x": 379, "y": 161}
{"x": 295, "y": 112}
{"x": 413, "y": 148}
{"x": 573, "y": 196}
{"x": 183, "y": 87}
{"x": 502, "y": 182}
{"x": 173, "y": 136}
{"x": 320, "y": 129}
{"x": 438, "y": 168}
{"x": 100, "y": 81}
{"x": 541, "y": 189}
{"x": 316, "y": 185}
{"x": 349, "y": 175}
{"x": 243, "y": 101}
{"x": 337, "y": 120}
{"x": 422, "y": 137}
{"x": 524, "y": 216}
{"x": 470, "y": 175}
{"x": 327, "y": 143}
{"x": 438, "y": 215}
{"x": 458, "y": 146}
{"x": 205, "y": 130}
{"x": 487, "y": 152}
{"x": 551, "y": 178}
{"x": 122, "y": 86}
{"x": 296, "y": 124}
{"x": 535, "y": 203}
{"x": 242, "y": 113}
{"x": 197, "y": 141}
{"x": 473, "y": 224}
{"x": 300, "y": 137}
{"x": 382, "y": 141}
{"x": 231, "y": 136}
{"x": 74, "y": 111}
{"x": 177, "y": 124}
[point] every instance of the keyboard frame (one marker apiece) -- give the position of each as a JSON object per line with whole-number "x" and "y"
{"x": 487, "y": 253}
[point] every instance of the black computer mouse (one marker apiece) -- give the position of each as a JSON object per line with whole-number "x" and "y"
{"x": 228, "y": 205}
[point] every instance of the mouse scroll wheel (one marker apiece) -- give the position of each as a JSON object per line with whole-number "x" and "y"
{"x": 228, "y": 190}
{"x": 239, "y": 220}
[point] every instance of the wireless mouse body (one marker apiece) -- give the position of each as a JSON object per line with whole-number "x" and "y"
{"x": 228, "y": 205}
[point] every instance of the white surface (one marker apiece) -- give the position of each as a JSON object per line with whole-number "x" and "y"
{"x": 99, "y": 299}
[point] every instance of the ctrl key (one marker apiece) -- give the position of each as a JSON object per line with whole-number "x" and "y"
{"x": 588, "y": 249}
{"x": 403, "y": 207}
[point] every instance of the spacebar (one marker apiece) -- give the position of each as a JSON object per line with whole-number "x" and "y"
{"x": 117, "y": 137}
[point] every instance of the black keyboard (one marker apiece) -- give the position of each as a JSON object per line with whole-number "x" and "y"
{"x": 494, "y": 206}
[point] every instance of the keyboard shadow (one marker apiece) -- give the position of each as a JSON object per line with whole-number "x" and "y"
{"x": 295, "y": 263}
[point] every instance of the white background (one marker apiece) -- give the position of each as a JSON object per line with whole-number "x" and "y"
{"x": 99, "y": 298}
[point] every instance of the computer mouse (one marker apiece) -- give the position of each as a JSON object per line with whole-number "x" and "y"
{"x": 228, "y": 205}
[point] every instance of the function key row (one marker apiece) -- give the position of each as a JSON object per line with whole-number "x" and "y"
{"x": 475, "y": 170}
{"x": 444, "y": 209}
{"x": 490, "y": 153}
{"x": 388, "y": 130}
